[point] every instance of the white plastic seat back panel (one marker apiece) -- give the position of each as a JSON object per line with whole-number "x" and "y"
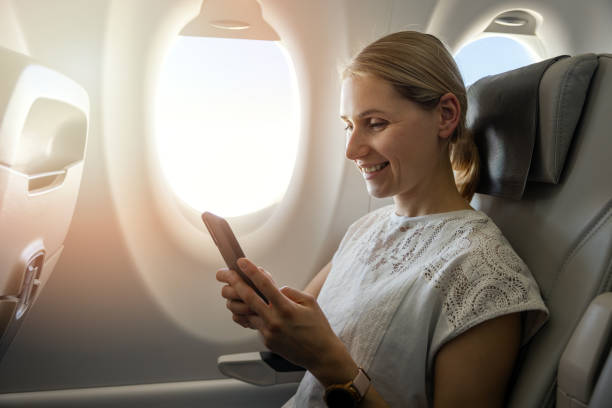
{"x": 43, "y": 133}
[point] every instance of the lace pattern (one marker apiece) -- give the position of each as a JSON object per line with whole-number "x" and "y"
{"x": 489, "y": 278}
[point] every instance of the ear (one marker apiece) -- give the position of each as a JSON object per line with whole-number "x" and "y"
{"x": 450, "y": 112}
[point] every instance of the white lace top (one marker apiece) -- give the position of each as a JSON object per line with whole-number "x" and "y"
{"x": 401, "y": 287}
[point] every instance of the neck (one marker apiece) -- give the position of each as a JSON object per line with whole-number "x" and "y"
{"x": 437, "y": 194}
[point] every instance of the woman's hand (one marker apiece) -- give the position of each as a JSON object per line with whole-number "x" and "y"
{"x": 292, "y": 324}
{"x": 240, "y": 311}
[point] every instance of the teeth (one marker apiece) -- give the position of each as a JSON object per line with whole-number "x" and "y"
{"x": 373, "y": 168}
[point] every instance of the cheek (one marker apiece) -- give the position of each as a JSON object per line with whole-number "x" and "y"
{"x": 418, "y": 151}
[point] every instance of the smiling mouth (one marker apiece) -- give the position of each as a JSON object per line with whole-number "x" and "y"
{"x": 373, "y": 169}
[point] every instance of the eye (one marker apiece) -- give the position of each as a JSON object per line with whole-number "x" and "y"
{"x": 348, "y": 127}
{"x": 377, "y": 124}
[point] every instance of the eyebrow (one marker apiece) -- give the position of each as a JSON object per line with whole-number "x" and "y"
{"x": 365, "y": 113}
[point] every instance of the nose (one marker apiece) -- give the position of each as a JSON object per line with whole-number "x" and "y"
{"x": 356, "y": 145}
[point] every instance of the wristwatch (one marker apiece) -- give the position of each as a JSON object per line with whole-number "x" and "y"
{"x": 349, "y": 394}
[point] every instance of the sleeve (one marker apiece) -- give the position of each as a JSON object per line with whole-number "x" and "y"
{"x": 488, "y": 281}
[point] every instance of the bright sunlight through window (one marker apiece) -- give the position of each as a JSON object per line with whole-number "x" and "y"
{"x": 490, "y": 56}
{"x": 227, "y": 123}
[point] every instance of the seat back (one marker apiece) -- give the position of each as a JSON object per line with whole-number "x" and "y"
{"x": 557, "y": 211}
{"x": 43, "y": 133}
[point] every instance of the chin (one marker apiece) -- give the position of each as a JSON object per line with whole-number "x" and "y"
{"x": 378, "y": 193}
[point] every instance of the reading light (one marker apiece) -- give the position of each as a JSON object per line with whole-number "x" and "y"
{"x": 228, "y": 19}
{"x": 511, "y": 21}
{"x": 521, "y": 22}
{"x": 230, "y": 24}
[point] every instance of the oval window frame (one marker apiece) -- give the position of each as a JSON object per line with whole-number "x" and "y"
{"x": 531, "y": 44}
{"x": 251, "y": 221}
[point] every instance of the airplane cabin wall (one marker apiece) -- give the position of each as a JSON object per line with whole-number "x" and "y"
{"x": 89, "y": 316}
{"x": 11, "y": 36}
{"x": 567, "y": 26}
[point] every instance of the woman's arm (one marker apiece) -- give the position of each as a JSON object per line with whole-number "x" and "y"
{"x": 473, "y": 369}
{"x": 315, "y": 285}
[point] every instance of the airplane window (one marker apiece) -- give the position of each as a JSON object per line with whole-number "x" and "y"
{"x": 227, "y": 123}
{"x": 490, "y": 56}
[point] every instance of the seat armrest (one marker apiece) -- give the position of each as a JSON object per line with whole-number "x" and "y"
{"x": 602, "y": 394}
{"x": 585, "y": 353}
{"x": 260, "y": 368}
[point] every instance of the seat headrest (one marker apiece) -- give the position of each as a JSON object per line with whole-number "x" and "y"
{"x": 523, "y": 122}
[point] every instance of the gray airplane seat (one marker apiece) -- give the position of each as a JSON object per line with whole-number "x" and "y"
{"x": 543, "y": 132}
{"x": 43, "y": 132}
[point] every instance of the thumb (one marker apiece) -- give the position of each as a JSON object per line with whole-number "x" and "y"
{"x": 295, "y": 295}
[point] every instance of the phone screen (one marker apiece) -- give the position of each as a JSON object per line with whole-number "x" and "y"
{"x": 226, "y": 242}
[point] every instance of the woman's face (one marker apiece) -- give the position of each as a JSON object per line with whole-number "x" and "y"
{"x": 392, "y": 140}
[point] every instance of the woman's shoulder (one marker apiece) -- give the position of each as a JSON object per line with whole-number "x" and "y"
{"x": 487, "y": 246}
{"x": 487, "y": 279}
{"x": 478, "y": 252}
{"x": 472, "y": 230}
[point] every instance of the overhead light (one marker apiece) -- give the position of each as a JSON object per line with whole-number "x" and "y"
{"x": 511, "y": 21}
{"x": 230, "y": 24}
{"x": 230, "y": 19}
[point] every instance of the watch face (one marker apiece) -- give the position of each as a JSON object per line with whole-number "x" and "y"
{"x": 340, "y": 398}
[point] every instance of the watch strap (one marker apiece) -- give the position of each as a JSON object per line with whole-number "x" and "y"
{"x": 361, "y": 383}
{"x": 357, "y": 388}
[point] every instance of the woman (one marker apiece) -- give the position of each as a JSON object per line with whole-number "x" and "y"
{"x": 425, "y": 295}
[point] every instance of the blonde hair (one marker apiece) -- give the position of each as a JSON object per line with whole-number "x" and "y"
{"x": 422, "y": 70}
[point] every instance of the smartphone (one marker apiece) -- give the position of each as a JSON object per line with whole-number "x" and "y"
{"x": 226, "y": 242}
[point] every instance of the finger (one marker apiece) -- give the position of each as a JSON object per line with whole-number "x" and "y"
{"x": 232, "y": 278}
{"x": 264, "y": 283}
{"x": 242, "y": 320}
{"x": 229, "y": 293}
{"x": 248, "y": 295}
{"x": 267, "y": 273}
{"x": 228, "y": 276}
{"x": 296, "y": 295}
{"x": 222, "y": 275}
{"x": 256, "y": 322}
{"x": 238, "y": 307}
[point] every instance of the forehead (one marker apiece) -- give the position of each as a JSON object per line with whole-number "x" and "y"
{"x": 366, "y": 92}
